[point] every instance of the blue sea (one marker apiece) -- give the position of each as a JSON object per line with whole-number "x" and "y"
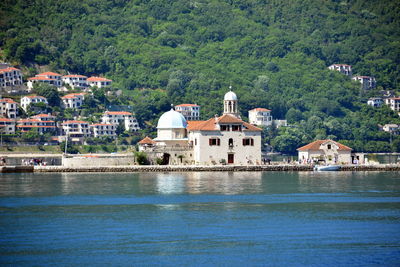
{"x": 200, "y": 219}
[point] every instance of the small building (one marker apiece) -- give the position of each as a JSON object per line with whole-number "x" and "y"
{"x": 50, "y": 78}
{"x": 9, "y": 76}
{"x": 327, "y": 151}
{"x": 260, "y": 117}
{"x": 146, "y": 144}
{"x": 8, "y": 108}
{"x": 25, "y": 125}
{"x": 375, "y": 102}
{"x": 393, "y": 103}
{"x": 367, "y": 82}
{"x": 76, "y": 130}
{"x": 103, "y": 130}
{"x": 191, "y": 112}
{"x": 99, "y": 82}
{"x": 75, "y": 81}
{"x": 121, "y": 117}
{"x": 391, "y": 128}
{"x": 7, "y": 126}
{"x": 44, "y": 117}
{"x": 342, "y": 68}
{"x": 73, "y": 100}
{"x": 32, "y": 99}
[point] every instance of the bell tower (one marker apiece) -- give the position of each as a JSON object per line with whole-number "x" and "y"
{"x": 231, "y": 103}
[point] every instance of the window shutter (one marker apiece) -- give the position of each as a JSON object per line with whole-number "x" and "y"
{"x": 218, "y": 142}
{"x": 252, "y": 142}
{"x": 210, "y": 142}
{"x": 244, "y": 142}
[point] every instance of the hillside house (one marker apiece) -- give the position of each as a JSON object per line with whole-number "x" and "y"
{"x": 75, "y": 81}
{"x": 73, "y": 100}
{"x": 9, "y": 76}
{"x": 391, "y": 128}
{"x": 342, "y": 68}
{"x": 103, "y": 130}
{"x": 393, "y": 103}
{"x": 75, "y": 130}
{"x": 8, "y": 108}
{"x": 191, "y": 112}
{"x": 260, "y": 117}
{"x": 7, "y": 126}
{"x": 121, "y": 117}
{"x": 367, "y": 82}
{"x": 99, "y": 82}
{"x": 50, "y": 78}
{"x": 27, "y": 100}
{"x": 375, "y": 102}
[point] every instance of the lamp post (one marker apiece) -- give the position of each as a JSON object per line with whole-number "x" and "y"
{"x": 66, "y": 140}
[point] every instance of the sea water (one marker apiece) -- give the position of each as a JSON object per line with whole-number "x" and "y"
{"x": 200, "y": 219}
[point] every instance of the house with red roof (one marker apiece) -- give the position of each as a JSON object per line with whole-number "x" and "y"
{"x": 342, "y": 68}
{"x": 99, "y": 82}
{"x": 103, "y": 130}
{"x": 7, "y": 126}
{"x": 73, "y": 101}
{"x": 260, "y": 117}
{"x": 9, "y": 76}
{"x": 32, "y": 99}
{"x": 76, "y": 130}
{"x": 43, "y": 126}
{"x": 75, "y": 81}
{"x": 50, "y": 78}
{"x": 329, "y": 152}
{"x": 8, "y": 108}
{"x": 367, "y": 82}
{"x": 191, "y": 112}
{"x": 393, "y": 103}
{"x": 127, "y": 119}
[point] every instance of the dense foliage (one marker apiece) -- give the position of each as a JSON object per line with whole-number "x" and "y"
{"x": 274, "y": 53}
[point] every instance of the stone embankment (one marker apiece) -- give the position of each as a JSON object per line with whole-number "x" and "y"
{"x": 221, "y": 168}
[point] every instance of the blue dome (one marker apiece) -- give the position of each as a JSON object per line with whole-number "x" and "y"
{"x": 171, "y": 119}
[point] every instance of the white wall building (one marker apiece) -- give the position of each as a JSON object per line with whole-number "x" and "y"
{"x": 103, "y": 130}
{"x": 393, "y": 103}
{"x": 9, "y": 76}
{"x": 343, "y": 68}
{"x": 328, "y": 151}
{"x": 391, "y": 128}
{"x": 375, "y": 102}
{"x": 75, "y": 81}
{"x": 76, "y": 130}
{"x": 8, "y": 108}
{"x": 99, "y": 82}
{"x": 7, "y": 126}
{"x": 73, "y": 100}
{"x": 367, "y": 82}
{"x": 50, "y": 78}
{"x": 43, "y": 126}
{"x": 32, "y": 99}
{"x": 260, "y": 117}
{"x": 126, "y": 118}
{"x": 191, "y": 112}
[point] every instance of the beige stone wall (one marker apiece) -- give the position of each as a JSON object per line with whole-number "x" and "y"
{"x": 97, "y": 161}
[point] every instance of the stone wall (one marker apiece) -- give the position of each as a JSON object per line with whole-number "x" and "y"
{"x": 90, "y": 162}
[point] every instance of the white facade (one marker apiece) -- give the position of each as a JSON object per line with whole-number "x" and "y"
{"x": 73, "y": 100}
{"x": 10, "y": 76}
{"x": 328, "y": 151}
{"x": 8, "y": 108}
{"x": 27, "y": 100}
{"x": 260, "y": 116}
{"x": 126, "y": 118}
{"x": 342, "y": 68}
{"x": 367, "y": 82}
{"x": 76, "y": 130}
{"x": 75, "y": 81}
{"x": 191, "y": 112}
{"x": 391, "y": 128}
{"x": 7, "y": 126}
{"x": 50, "y": 78}
{"x": 43, "y": 126}
{"x": 375, "y": 102}
{"x": 393, "y": 103}
{"x": 99, "y": 82}
{"x": 103, "y": 130}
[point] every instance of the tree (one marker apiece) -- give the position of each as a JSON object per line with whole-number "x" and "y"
{"x": 49, "y": 92}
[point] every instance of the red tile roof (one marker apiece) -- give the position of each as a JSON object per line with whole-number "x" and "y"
{"x": 260, "y": 109}
{"x": 8, "y": 100}
{"x": 43, "y": 116}
{"x": 187, "y": 105}
{"x": 35, "y": 96}
{"x": 101, "y": 124}
{"x": 98, "y": 79}
{"x": 118, "y": 113}
{"x": 5, "y": 119}
{"x": 147, "y": 141}
{"x": 74, "y": 95}
{"x": 41, "y": 79}
{"x": 316, "y": 145}
{"x": 76, "y": 122}
{"x": 9, "y": 69}
{"x": 74, "y": 76}
{"x": 49, "y": 73}
{"x": 211, "y": 124}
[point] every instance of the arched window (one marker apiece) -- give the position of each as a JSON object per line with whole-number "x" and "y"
{"x": 230, "y": 142}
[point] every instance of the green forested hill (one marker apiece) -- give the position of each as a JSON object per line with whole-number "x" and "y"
{"x": 274, "y": 53}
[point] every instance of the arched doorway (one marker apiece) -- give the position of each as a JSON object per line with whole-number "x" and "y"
{"x": 165, "y": 159}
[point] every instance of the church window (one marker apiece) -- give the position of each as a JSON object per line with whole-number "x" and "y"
{"x": 214, "y": 142}
{"x": 248, "y": 142}
{"x": 236, "y": 128}
{"x": 224, "y": 127}
{"x": 230, "y": 142}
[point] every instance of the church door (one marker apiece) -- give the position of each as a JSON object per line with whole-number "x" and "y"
{"x": 231, "y": 158}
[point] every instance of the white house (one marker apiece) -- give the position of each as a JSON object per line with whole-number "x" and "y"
{"x": 393, "y": 103}
{"x": 223, "y": 139}
{"x": 391, "y": 128}
{"x": 9, "y": 76}
{"x": 342, "y": 68}
{"x": 375, "y": 102}
{"x": 32, "y": 99}
{"x": 328, "y": 151}
{"x": 7, "y": 126}
{"x": 50, "y": 78}
{"x": 103, "y": 129}
{"x": 146, "y": 144}
{"x": 75, "y": 81}
{"x": 126, "y": 118}
{"x": 43, "y": 126}
{"x": 99, "y": 82}
{"x": 367, "y": 82}
{"x": 73, "y": 100}
{"x": 260, "y": 117}
{"x": 191, "y": 112}
{"x": 76, "y": 130}
{"x": 44, "y": 117}
{"x": 8, "y": 108}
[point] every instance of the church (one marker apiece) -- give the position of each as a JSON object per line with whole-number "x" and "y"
{"x": 225, "y": 139}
